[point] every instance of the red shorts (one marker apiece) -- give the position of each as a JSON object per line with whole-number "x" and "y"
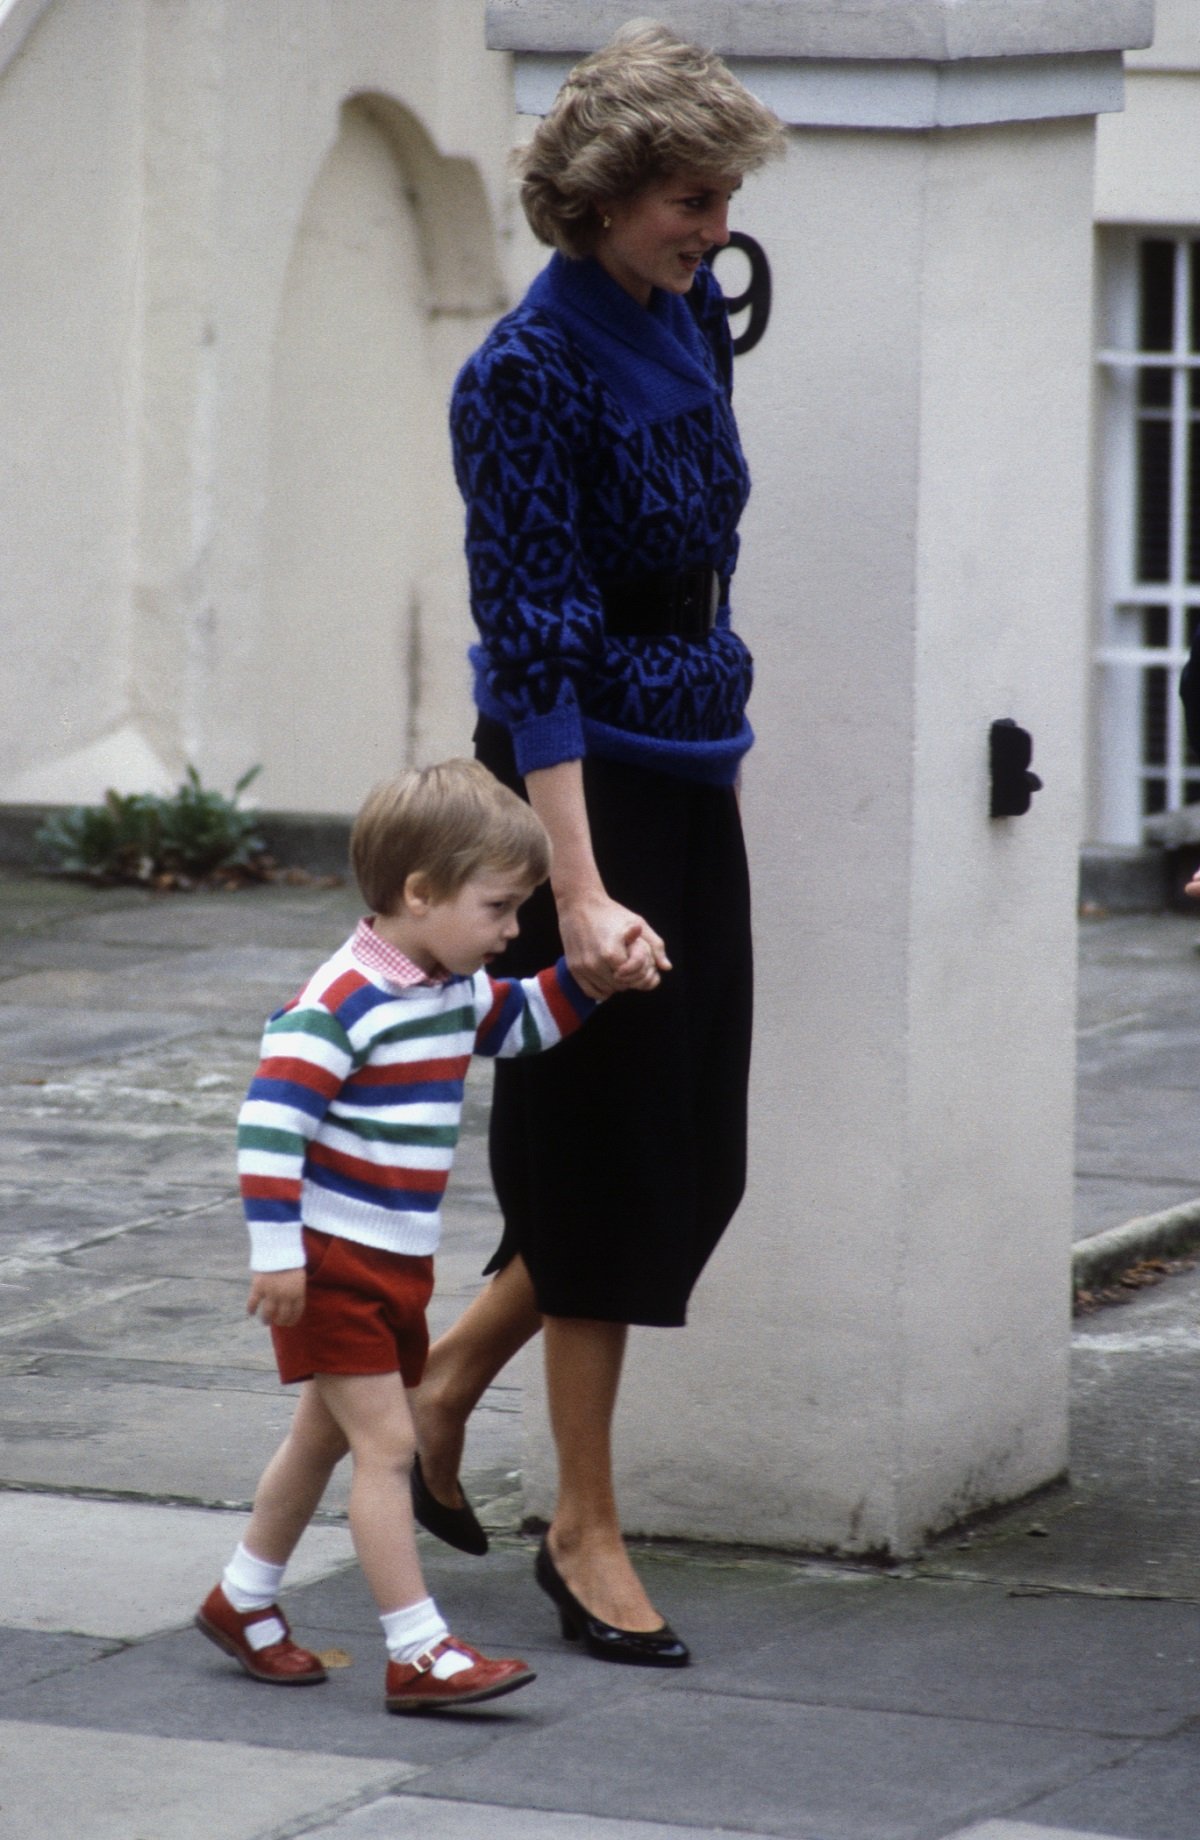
{"x": 364, "y": 1313}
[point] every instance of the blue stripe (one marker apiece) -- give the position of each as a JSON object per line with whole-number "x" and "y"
{"x": 279, "y": 1213}
{"x": 360, "y": 1003}
{"x": 289, "y": 1093}
{"x": 392, "y": 1200}
{"x": 423, "y": 1092}
{"x": 510, "y": 1010}
{"x": 580, "y": 1002}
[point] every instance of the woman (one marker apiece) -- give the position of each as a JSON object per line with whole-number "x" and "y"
{"x": 598, "y": 457}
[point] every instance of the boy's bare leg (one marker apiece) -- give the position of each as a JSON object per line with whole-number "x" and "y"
{"x": 583, "y": 1372}
{"x": 295, "y": 1479}
{"x": 462, "y": 1365}
{"x": 372, "y": 1413}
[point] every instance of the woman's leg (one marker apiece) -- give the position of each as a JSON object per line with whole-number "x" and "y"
{"x": 583, "y": 1373}
{"x": 462, "y": 1365}
{"x": 295, "y": 1479}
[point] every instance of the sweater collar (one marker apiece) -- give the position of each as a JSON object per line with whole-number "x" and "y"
{"x": 609, "y": 322}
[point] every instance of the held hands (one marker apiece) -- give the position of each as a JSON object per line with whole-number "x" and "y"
{"x": 1193, "y": 887}
{"x": 609, "y": 948}
{"x": 277, "y": 1297}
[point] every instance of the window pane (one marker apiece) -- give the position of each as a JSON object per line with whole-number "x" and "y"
{"x": 1154, "y": 716}
{"x": 1155, "y": 622}
{"x": 1154, "y": 501}
{"x": 1194, "y": 266}
{"x": 1157, "y": 302}
{"x": 1191, "y": 619}
{"x": 1154, "y": 387}
{"x": 1154, "y": 797}
{"x": 1192, "y": 506}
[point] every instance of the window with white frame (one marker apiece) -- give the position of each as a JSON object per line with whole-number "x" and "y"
{"x": 1149, "y": 526}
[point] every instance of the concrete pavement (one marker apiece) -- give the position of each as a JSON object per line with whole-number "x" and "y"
{"x": 1035, "y": 1679}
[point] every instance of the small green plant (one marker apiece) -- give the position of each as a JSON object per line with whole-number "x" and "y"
{"x": 161, "y": 842}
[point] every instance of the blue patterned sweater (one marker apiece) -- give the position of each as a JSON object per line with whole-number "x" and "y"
{"x": 594, "y": 441}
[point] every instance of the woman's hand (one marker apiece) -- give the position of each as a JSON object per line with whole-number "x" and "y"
{"x": 609, "y": 948}
{"x": 277, "y": 1297}
{"x": 1193, "y": 887}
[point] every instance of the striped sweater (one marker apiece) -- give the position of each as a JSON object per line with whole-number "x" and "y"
{"x": 352, "y": 1119}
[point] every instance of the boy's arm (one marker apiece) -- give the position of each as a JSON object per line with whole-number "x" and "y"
{"x": 306, "y": 1057}
{"x": 526, "y": 1015}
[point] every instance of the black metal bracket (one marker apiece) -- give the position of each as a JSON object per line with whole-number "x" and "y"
{"x": 1013, "y": 783}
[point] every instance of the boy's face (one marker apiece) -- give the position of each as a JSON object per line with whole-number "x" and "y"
{"x": 472, "y": 927}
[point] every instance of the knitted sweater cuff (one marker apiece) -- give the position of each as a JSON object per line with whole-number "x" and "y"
{"x": 546, "y": 741}
{"x": 276, "y": 1245}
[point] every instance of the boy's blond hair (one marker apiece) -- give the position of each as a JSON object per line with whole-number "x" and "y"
{"x": 446, "y": 822}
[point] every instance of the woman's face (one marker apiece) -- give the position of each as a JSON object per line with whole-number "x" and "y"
{"x": 657, "y": 237}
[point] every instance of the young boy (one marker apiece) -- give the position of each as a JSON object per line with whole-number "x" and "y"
{"x": 345, "y": 1143}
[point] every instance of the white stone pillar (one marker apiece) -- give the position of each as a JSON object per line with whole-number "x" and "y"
{"x": 880, "y": 1345}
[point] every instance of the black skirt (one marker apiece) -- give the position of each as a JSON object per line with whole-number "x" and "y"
{"x": 619, "y": 1157}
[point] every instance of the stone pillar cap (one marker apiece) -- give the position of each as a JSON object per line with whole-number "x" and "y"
{"x": 930, "y": 31}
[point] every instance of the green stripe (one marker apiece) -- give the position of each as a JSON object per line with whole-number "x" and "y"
{"x": 311, "y": 1022}
{"x": 262, "y": 1137}
{"x": 459, "y": 1021}
{"x": 423, "y": 1136}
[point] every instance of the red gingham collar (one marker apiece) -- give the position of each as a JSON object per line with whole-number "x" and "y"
{"x": 377, "y": 955}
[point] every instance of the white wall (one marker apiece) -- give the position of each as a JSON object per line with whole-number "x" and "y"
{"x": 880, "y": 1346}
{"x": 70, "y": 282}
{"x": 237, "y": 307}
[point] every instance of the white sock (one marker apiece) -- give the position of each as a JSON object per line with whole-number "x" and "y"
{"x": 413, "y": 1631}
{"x": 251, "y": 1583}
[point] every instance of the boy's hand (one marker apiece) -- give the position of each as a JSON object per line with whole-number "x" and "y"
{"x": 277, "y": 1297}
{"x": 608, "y": 947}
{"x": 645, "y": 959}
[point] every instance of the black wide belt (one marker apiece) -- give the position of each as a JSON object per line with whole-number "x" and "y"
{"x": 651, "y": 606}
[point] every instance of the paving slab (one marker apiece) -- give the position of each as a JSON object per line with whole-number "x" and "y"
{"x": 807, "y": 1772}
{"x": 423, "y": 1818}
{"x": 1150, "y": 1795}
{"x": 138, "y": 1788}
{"x": 34, "y": 1036}
{"x": 124, "y": 1570}
{"x": 1127, "y": 1518}
{"x": 1020, "y": 1830}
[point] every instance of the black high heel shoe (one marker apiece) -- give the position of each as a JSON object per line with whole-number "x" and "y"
{"x": 458, "y": 1527}
{"x": 636, "y": 1647}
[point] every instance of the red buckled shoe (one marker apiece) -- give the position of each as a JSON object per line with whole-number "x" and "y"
{"x": 414, "y": 1687}
{"x": 259, "y": 1640}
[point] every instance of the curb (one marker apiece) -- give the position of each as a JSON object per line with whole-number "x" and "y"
{"x": 1097, "y": 1261}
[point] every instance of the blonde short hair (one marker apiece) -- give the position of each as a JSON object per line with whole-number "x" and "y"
{"x": 448, "y": 823}
{"x": 643, "y": 107}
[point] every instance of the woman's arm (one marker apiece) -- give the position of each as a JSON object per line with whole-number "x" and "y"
{"x": 608, "y": 947}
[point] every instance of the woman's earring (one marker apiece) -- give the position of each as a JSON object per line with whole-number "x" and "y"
{"x": 606, "y": 222}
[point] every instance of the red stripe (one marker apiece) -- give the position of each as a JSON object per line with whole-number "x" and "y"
{"x": 557, "y": 1001}
{"x": 343, "y": 987}
{"x": 409, "y": 1073}
{"x": 269, "y": 1188}
{"x": 376, "y": 1175}
{"x": 500, "y": 991}
{"x": 301, "y": 1073}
